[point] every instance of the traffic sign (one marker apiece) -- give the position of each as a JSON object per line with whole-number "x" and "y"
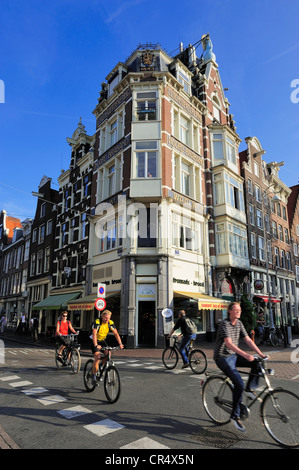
{"x": 101, "y": 290}
{"x": 100, "y": 304}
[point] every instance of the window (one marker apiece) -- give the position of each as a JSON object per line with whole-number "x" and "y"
{"x": 63, "y": 235}
{"x": 184, "y": 79}
{"x": 261, "y": 249}
{"x": 218, "y": 189}
{"x": 185, "y": 233}
{"x": 47, "y": 259}
{"x": 278, "y": 209}
{"x": 280, "y": 232}
{"x": 111, "y": 180}
{"x": 230, "y": 151}
{"x": 234, "y": 192}
{"x": 184, "y": 130}
{"x": 220, "y": 239}
{"x": 284, "y": 213}
{"x": 256, "y": 169}
{"x": 286, "y": 236}
{"x": 253, "y": 246}
{"x": 283, "y": 259}
{"x": 274, "y": 230}
{"x": 185, "y": 179}
{"x": 216, "y": 109}
{"x": 85, "y": 186}
{"x": 146, "y": 160}
{"x": 251, "y": 214}
{"x": 258, "y": 193}
{"x": 43, "y": 210}
{"x": 34, "y": 235}
{"x": 147, "y": 228}
{"x": 146, "y": 106}
{"x": 295, "y": 247}
{"x": 112, "y": 84}
{"x": 276, "y": 256}
{"x": 32, "y": 264}
{"x": 113, "y": 133}
{"x": 39, "y": 265}
{"x": 249, "y": 185}
{"x": 83, "y": 225}
{"x": 49, "y": 227}
{"x": 41, "y": 234}
{"x": 259, "y": 218}
{"x": 218, "y": 147}
{"x": 289, "y": 263}
{"x": 237, "y": 241}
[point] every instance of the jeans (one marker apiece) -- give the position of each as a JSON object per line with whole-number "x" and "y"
{"x": 184, "y": 346}
{"x": 229, "y": 365}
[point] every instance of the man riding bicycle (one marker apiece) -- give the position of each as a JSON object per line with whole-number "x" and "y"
{"x": 100, "y": 329}
{"x": 228, "y": 356}
{"x": 187, "y": 338}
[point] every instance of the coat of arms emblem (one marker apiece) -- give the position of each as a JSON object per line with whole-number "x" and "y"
{"x": 147, "y": 58}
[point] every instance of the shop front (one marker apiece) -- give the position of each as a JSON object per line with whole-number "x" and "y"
{"x": 206, "y": 311}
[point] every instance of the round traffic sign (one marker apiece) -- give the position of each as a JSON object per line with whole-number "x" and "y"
{"x": 100, "y": 304}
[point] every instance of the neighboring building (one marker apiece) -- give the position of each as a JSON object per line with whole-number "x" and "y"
{"x": 270, "y": 250}
{"x": 69, "y": 263}
{"x": 39, "y": 280}
{"x": 15, "y": 239}
{"x": 293, "y": 214}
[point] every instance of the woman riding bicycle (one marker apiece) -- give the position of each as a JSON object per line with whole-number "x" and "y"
{"x": 63, "y": 328}
{"x": 100, "y": 329}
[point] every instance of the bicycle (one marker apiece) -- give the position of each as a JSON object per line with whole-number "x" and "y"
{"x": 70, "y": 354}
{"x": 197, "y": 358}
{"x": 112, "y": 385}
{"x": 274, "y": 336}
{"x": 279, "y": 409}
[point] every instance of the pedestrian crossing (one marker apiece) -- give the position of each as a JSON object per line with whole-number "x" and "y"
{"x": 98, "y": 428}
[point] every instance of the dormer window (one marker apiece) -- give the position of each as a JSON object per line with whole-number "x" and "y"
{"x": 185, "y": 81}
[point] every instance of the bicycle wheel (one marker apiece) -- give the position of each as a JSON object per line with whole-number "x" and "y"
{"x": 75, "y": 361}
{"x": 217, "y": 399}
{"x": 170, "y": 357}
{"x": 198, "y": 361}
{"x": 88, "y": 376}
{"x": 274, "y": 339}
{"x": 280, "y": 415}
{"x": 112, "y": 384}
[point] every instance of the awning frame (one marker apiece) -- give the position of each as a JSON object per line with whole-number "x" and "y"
{"x": 205, "y": 301}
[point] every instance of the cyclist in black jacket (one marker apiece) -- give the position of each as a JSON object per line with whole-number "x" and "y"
{"x": 187, "y": 338}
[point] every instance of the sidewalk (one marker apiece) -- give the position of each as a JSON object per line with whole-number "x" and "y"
{"x": 280, "y": 358}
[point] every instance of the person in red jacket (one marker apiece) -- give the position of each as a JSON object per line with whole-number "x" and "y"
{"x": 63, "y": 328}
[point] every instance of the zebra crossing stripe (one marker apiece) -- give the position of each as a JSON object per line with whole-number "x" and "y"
{"x": 144, "y": 443}
{"x": 106, "y": 426}
{"x": 73, "y": 412}
{"x": 52, "y": 399}
{"x": 20, "y": 384}
{"x": 35, "y": 390}
{"x": 10, "y": 377}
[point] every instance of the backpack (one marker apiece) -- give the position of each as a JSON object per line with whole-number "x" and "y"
{"x": 96, "y": 325}
{"x": 191, "y": 328}
{"x": 35, "y": 323}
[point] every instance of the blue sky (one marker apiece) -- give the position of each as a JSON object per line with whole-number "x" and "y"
{"x": 54, "y": 55}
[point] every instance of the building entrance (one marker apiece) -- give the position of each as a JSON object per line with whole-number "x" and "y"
{"x": 146, "y": 323}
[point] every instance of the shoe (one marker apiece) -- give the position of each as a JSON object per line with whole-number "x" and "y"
{"x": 238, "y": 425}
{"x": 251, "y": 394}
{"x": 185, "y": 365}
{"x": 59, "y": 358}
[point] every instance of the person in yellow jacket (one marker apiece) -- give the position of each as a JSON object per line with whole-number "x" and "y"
{"x": 100, "y": 329}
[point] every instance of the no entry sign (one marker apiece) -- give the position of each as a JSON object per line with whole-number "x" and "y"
{"x": 100, "y": 304}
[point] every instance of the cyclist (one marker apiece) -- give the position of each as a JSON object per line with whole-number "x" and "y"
{"x": 63, "y": 327}
{"x": 100, "y": 329}
{"x": 228, "y": 356}
{"x": 187, "y": 338}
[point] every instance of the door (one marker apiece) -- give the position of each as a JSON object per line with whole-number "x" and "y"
{"x": 146, "y": 323}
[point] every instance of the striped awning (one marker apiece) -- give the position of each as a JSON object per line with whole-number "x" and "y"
{"x": 205, "y": 302}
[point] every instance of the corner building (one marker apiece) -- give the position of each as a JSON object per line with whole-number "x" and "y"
{"x": 164, "y": 143}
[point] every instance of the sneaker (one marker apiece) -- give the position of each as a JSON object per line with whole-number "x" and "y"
{"x": 251, "y": 394}
{"x": 238, "y": 425}
{"x": 59, "y": 358}
{"x": 185, "y": 365}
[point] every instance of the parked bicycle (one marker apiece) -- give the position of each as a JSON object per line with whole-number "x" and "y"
{"x": 279, "y": 409}
{"x": 197, "y": 358}
{"x": 273, "y": 336}
{"x": 108, "y": 371}
{"x": 70, "y": 355}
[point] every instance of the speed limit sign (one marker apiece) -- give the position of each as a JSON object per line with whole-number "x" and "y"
{"x": 100, "y": 304}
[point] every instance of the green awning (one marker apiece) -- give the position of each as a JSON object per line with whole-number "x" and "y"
{"x": 56, "y": 302}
